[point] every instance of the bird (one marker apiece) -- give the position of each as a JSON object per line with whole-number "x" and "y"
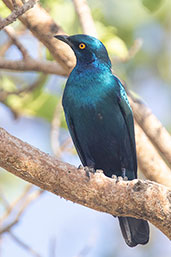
{"x": 100, "y": 121}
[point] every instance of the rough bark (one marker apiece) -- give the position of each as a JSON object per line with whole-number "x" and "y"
{"x": 16, "y": 13}
{"x": 136, "y": 198}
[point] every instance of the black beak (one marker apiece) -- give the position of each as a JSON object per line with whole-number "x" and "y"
{"x": 64, "y": 38}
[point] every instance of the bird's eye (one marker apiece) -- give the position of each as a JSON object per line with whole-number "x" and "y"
{"x": 82, "y": 46}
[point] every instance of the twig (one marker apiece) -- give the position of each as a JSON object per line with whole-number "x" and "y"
{"x": 131, "y": 52}
{"x": 55, "y": 129}
{"x": 5, "y": 47}
{"x": 4, "y": 94}
{"x": 24, "y": 245}
{"x": 84, "y": 14}
{"x": 52, "y": 247}
{"x": 10, "y": 32}
{"x": 28, "y": 200}
{"x": 12, "y": 206}
{"x": 3, "y": 199}
{"x": 141, "y": 199}
{"x": 18, "y": 11}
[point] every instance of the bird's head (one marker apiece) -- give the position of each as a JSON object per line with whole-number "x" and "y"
{"x": 86, "y": 48}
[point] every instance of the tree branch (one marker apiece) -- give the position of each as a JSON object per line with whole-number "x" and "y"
{"x": 11, "y": 33}
{"x": 149, "y": 160}
{"x": 18, "y": 11}
{"x": 39, "y": 22}
{"x": 86, "y": 20}
{"x": 30, "y": 64}
{"x": 136, "y": 198}
{"x": 152, "y": 127}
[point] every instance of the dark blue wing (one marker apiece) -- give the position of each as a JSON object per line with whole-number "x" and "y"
{"x": 128, "y": 117}
{"x": 71, "y": 127}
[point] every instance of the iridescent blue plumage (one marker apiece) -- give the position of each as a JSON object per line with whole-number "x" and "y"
{"x": 100, "y": 120}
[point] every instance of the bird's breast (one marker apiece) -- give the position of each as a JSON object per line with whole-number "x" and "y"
{"x": 88, "y": 88}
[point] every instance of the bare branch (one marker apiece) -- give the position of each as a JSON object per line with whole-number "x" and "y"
{"x": 18, "y": 11}
{"x": 4, "y": 94}
{"x": 21, "y": 210}
{"x": 10, "y": 32}
{"x": 55, "y": 129}
{"x": 152, "y": 127}
{"x": 24, "y": 245}
{"x": 141, "y": 199}
{"x": 39, "y": 22}
{"x": 86, "y": 20}
{"x": 149, "y": 160}
{"x": 30, "y": 64}
{"x": 5, "y": 47}
{"x": 10, "y": 207}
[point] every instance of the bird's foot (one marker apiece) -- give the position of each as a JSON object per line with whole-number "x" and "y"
{"x": 119, "y": 178}
{"x": 80, "y": 167}
{"x": 125, "y": 178}
{"x": 89, "y": 170}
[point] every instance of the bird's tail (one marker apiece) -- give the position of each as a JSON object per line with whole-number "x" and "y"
{"x": 135, "y": 231}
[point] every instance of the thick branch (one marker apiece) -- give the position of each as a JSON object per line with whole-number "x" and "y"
{"x": 136, "y": 198}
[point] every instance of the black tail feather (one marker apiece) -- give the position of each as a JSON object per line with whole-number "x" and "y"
{"x": 135, "y": 231}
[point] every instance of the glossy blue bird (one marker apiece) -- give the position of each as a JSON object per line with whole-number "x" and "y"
{"x": 100, "y": 121}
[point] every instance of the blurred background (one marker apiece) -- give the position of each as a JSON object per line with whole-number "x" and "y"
{"x": 137, "y": 35}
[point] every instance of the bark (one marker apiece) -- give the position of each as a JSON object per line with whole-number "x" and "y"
{"x": 16, "y": 13}
{"x": 141, "y": 199}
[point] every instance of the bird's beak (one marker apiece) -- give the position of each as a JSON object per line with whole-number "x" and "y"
{"x": 64, "y": 38}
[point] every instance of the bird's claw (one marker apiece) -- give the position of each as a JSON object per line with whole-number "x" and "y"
{"x": 80, "y": 167}
{"x": 119, "y": 179}
{"x": 125, "y": 178}
{"x": 89, "y": 170}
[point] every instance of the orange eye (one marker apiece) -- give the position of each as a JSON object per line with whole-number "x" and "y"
{"x": 82, "y": 46}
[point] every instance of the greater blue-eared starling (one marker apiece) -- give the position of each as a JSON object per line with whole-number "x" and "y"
{"x": 100, "y": 121}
